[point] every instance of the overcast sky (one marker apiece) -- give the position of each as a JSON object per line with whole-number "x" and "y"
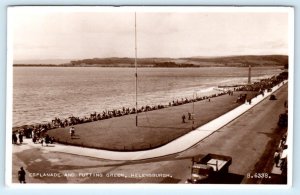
{"x": 39, "y": 35}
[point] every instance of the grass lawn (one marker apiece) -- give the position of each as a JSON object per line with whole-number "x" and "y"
{"x": 155, "y": 128}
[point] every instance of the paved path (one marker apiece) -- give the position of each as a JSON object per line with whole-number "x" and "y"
{"x": 176, "y": 146}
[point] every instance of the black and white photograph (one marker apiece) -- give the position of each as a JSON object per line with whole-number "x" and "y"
{"x": 186, "y": 95}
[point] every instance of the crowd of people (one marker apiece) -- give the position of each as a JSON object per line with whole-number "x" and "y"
{"x": 17, "y": 137}
{"x": 37, "y": 135}
{"x": 37, "y": 132}
{"x": 264, "y": 84}
{"x": 280, "y": 155}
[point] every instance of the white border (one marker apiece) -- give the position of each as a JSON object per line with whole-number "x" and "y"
{"x": 179, "y": 9}
{"x": 291, "y": 96}
{"x": 153, "y": 9}
{"x": 9, "y": 98}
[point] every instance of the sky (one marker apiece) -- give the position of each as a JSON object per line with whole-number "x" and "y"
{"x": 39, "y": 34}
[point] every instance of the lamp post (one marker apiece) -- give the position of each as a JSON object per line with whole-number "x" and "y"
{"x": 136, "y": 78}
{"x": 249, "y": 75}
{"x": 193, "y": 115}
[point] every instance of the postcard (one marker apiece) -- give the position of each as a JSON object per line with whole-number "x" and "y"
{"x": 150, "y": 95}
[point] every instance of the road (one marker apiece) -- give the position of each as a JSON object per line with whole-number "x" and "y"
{"x": 250, "y": 140}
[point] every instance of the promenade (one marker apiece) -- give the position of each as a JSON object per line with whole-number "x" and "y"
{"x": 155, "y": 128}
{"x": 178, "y": 145}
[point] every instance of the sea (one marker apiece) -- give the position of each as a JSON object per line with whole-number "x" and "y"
{"x": 42, "y": 93}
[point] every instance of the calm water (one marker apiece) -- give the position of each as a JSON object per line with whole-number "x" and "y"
{"x": 42, "y": 93}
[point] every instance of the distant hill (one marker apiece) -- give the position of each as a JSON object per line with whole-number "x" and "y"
{"x": 230, "y": 61}
{"x": 254, "y": 60}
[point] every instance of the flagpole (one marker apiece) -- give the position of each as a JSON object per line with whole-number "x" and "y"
{"x": 135, "y": 63}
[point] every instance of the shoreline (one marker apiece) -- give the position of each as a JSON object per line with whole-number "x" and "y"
{"x": 202, "y": 94}
{"x": 144, "y": 108}
{"x": 181, "y": 145}
{"x": 235, "y": 61}
{"x": 132, "y": 66}
{"x": 119, "y": 134}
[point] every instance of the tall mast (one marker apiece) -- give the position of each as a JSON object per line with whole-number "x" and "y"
{"x": 136, "y": 105}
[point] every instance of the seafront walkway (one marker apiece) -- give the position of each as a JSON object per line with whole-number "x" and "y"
{"x": 178, "y": 145}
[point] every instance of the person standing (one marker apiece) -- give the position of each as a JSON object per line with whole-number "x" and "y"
{"x": 190, "y": 116}
{"x": 42, "y": 141}
{"x": 183, "y": 118}
{"x": 21, "y": 137}
{"x": 276, "y": 158}
{"x": 21, "y": 175}
{"x": 47, "y": 140}
{"x": 14, "y": 138}
{"x": 72, "y": 131}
